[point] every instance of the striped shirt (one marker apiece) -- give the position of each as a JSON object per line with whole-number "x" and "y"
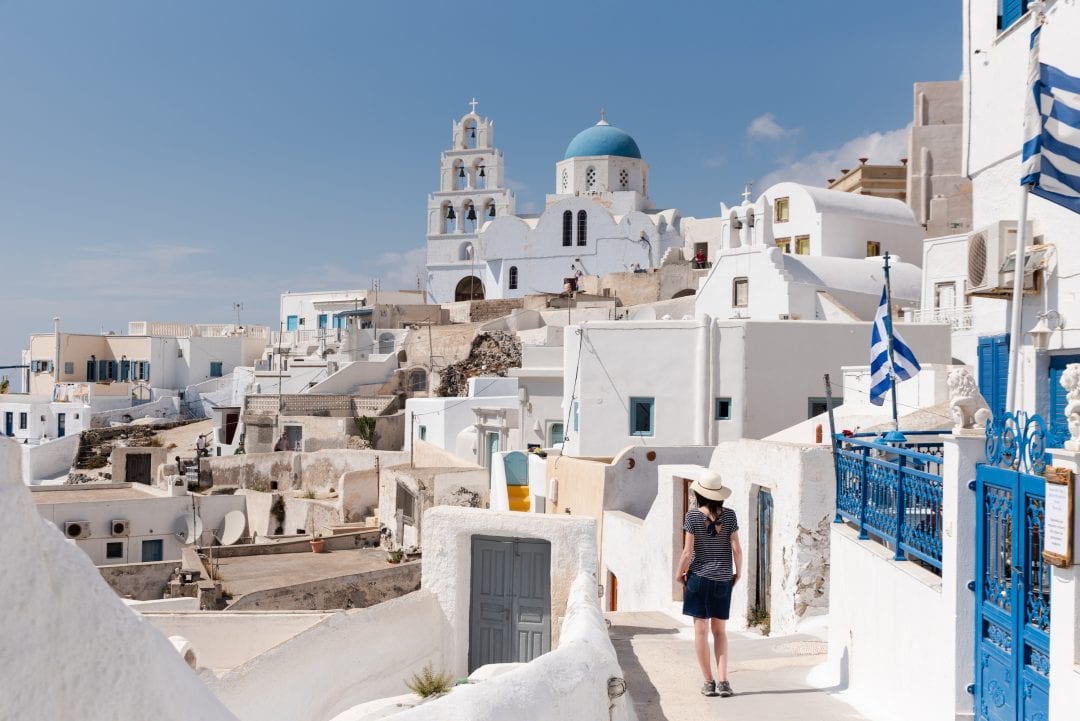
{"x": 712, "y": 554}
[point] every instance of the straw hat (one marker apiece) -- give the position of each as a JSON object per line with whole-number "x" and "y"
{"x": 710, "y": 486}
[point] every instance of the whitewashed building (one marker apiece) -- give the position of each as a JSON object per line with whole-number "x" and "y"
{"x": 599, "y": 220}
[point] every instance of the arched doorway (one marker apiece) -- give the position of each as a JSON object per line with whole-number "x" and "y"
{"x": 684, "y": 292}
{"x": 469, "y": 288}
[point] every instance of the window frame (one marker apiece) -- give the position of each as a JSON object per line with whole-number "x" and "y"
{"x": 938, "y": 287}
{"x": 717, "y": 415}
{"x": 875, "y": 246}
{"x": 634, "y": 402}
{"x": 736, "y": 282}
{"x": 784, "y": 244}
{"x": 782, "y": 210}
{"x": 567, "y": 228}
{"x": 582, "y": 227}
{"x": 110, "y": 546}
{"x": 512, "y": 278}
{"x": 219, "y": 367}
{"x": 823, "y": 401}
{"x": 24, "y": 419}
{"x": 802, "y": 243}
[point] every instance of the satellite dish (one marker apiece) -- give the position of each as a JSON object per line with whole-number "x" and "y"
{"x": 188, "y": 529}
{"x": 232, "y": 528}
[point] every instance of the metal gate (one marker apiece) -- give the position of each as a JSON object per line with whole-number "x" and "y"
{"x": 1012, "y": 587}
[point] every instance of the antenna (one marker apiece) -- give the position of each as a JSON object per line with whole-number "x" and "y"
{"x": 238, "y": 306}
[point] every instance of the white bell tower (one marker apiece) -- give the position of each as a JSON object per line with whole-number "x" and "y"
{"x": 470, "y": 194}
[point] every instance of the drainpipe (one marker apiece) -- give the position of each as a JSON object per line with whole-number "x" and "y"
{"x": 56, "y": 349}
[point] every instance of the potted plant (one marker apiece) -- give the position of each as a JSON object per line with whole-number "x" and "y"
{"x": 395, "y": 555}
{"x": 318, "y": 543}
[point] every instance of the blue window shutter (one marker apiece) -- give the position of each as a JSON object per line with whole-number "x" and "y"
{"x": 322, "y": 321}
{"x": 215, "y": 369}
{"x": 125, "y": 370}
{"x": 146, "y": 370}
{"x": 994, "y": 372}
{"x": 292, "y": 322}
{"x": 1057, "y": 427}
{"x": 1011, "y": 11}
{"x": 103, "y": 370}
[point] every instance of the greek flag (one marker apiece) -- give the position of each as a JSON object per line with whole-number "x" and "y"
{"x": 1052, "y": 124}
{"x": 906, "y": 364}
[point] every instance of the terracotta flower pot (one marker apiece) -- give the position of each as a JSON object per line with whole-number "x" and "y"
{"x": 318, "y": 545}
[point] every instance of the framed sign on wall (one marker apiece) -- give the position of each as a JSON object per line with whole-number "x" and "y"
{"x": 1058, "y": 531}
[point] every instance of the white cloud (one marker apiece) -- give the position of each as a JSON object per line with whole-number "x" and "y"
{"x": 398, "y": 270}
{"x": 813, "y": 169}
{"x": 765, "y": 127}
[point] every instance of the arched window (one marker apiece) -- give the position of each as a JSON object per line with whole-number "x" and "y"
{"x": 449, "y": 218}
{"x": 564, "y": 184}
{"x": 465, "y": 251}
{"x": 513, "y": 282}
{"x": 568, "y": 228}
{"x": 470, "y": 134}
{"x": 489, "y": 211}
{"x": 469, "y": 211}
{"x": 582, "y": 227}
{"x": 590, "y": 178}
{"x": 460, "y": 176}
{"x": 624, "y": 179}
{"x": 479, "y": 174}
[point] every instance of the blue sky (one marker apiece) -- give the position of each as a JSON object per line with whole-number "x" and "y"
{"x": 161, "y": 161}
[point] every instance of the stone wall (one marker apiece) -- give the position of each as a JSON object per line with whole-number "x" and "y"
{"x": 358, "y": 590}
{"x": 139, "y": 581}
{"x": 491, "y": 353}
{"x": 339, "y": 542}
{"x": 318, "y": 471}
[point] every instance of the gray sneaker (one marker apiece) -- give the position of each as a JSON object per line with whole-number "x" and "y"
{"x": 723, "y": 689}
{"x": 709, "y": 689}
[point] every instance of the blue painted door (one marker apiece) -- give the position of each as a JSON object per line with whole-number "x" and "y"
{"x": 9, "y": 424}
{"x": 763, "y": 575}
{"x": 292, "y": 322}
{"x": 1057, "y": 429}
{"x": 517, "y": 471}
{"x": 152, "y": 551}
{"x": 61, "y": 424}
{"x": 1012, "y": 605}
{"x": 994, "y": 371}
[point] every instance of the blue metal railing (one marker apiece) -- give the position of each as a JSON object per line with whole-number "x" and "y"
{"x": 892, "y": 491}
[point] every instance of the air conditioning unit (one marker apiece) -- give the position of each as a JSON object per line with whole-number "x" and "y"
{"x": 119, "y": 527}
{"x": 988, "y": 249}
{"x": 77, "y": 529}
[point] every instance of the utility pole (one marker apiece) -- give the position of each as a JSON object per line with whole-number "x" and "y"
{"x": 238, "y": 306}
{"x": 412, "y": 441}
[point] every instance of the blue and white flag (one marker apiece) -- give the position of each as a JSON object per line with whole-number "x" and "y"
{"x": 1052, "y": 122}
{"x": 880, "y": 367}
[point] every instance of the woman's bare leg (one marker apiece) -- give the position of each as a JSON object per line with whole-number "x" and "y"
{"x": 719, "y": 634}
{"x": 701, "y": 647}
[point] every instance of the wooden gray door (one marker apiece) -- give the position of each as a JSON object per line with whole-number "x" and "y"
{"x": 510, "y": 603}
{"x": 137, "y": 468}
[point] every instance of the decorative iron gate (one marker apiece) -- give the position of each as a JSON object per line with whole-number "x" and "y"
{"x": 1012, "y": 587}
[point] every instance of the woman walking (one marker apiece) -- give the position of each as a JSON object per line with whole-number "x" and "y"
{"x": 710, "y": 565}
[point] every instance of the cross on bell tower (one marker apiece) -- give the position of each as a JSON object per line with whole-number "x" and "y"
{"x": 472, "y": 104}
{"x": 747, "y": 193}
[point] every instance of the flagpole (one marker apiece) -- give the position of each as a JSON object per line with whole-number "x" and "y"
{"x": 888, "y": 327}
{"x": 1017, "y": 301}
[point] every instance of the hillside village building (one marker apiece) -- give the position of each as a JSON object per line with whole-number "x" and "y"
{"x": 600, "y": 218}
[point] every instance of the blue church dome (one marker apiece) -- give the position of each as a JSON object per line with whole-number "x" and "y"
{"x": 602, "y": 139}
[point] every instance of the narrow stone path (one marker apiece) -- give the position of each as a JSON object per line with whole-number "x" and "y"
{"x": 767, "y": 674}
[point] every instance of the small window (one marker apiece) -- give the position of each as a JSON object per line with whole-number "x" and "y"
{"x": 1009, "y": 11}
{"x": 575, "y": 409}
{"x": 69, "y": 368}
{"x": 641, "y": 416}
{"x": 590, "y": 178}
{"x": 292, "y": 322}
{"x": 423, "y": 433}
{"x": 784, "y": 244}
{"x": 781, "y": 209}
{"x": 215, "y": 369}
{"x": 624, "y": 179}
{"x": 555, "y": 434}
{"x": 323, "y": 321}
{"x": 723, "y": 409}
{"x": 740, "y": 292}
{"x": 582, "y": 227}
{"x": 565, "y": 182}
{"x": 152, "y": 551}
{"x": 513, "y": 283}
{"x": 22, "y": 421}
{"x": 817, "y": 406}
{"x": 945, "y": 295}
{"x": 114, "y": 549}
{"x": 568, "y": 227}
{"x": 873, "y": 249}
{"x": 802, "y": 245}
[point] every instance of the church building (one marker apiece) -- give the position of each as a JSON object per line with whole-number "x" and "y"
{"x": 599, "y": 219}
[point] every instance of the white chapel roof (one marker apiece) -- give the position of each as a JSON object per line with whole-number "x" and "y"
{"x": 859, "y": 275}
{"x": 851, "y": 204}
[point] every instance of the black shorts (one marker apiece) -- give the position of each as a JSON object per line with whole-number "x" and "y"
{"x": 706, "y": 598}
